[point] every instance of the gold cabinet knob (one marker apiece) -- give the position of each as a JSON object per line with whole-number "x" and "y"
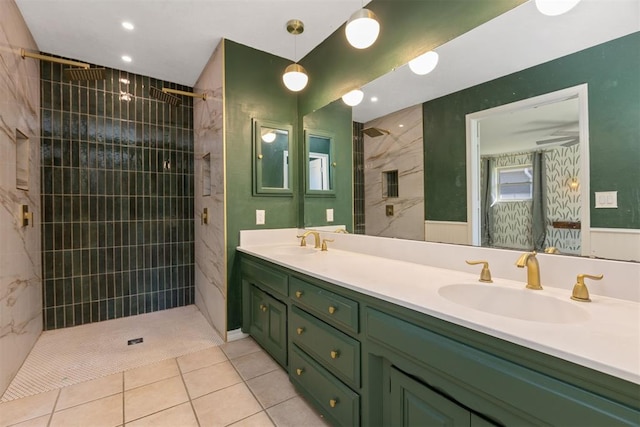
{"x": 300, "y": 331}
{"x": 335, "y": 354}
{"x": 298, "y": 294}
{"x": 263, "y": 307}
{"x": 333, "y": 402}
{"x": 260, "y": 156}
{"x": 299, "y": 371}
{"x": 334, "y": 164}
{"x": 332, "y": 309}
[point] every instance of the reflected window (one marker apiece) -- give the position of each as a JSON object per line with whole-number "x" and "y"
{"x": 514, "y": 183}
{"x": 272, "y": 144}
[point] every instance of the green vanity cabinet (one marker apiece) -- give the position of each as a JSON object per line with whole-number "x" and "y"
{"x": 364, "y": 361}
{"x": 268, "y": 323}
{"x": 264, "y": 314}
{"x": 412, "y": 403}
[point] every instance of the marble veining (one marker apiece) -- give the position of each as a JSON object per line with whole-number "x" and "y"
{"x": 400, "y": 150}
{"x": 210, "y": 265}
{"x": 20, "y": 263}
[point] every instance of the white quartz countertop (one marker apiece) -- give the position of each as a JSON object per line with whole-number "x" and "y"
{"x": 605, "y": 337}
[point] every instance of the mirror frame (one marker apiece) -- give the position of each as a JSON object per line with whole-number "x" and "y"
{"x": 308, "y": 133}
{"x": 258, "y": 188}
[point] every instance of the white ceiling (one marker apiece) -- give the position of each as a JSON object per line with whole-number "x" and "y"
{"x": 514, "y": 41}
{"x": 174, "y": 39}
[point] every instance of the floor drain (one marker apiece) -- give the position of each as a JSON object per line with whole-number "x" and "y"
{"x": 134, "y": 341}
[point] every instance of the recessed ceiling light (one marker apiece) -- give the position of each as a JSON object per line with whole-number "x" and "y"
{"x": 400, "y": 125}
{"x": 374, "y": 99}
{"x": 126, "y": 58}
{"x": 127, "y": 25}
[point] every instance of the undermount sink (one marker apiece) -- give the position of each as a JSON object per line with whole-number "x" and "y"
{"x": 523, "y": 304}
{"x": 294, "y": 250}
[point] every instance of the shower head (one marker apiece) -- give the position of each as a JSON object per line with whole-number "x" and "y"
{"x": 78, "y": 74}
{"x": 164, "y": 96}
{"x": 375, "y": 132}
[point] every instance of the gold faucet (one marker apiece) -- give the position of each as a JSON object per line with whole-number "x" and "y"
{"x": 528, "y": 259}
{"x": 580, "y": 291}
{"x": 551, "y": 250}
{"x": 324, "y": 244}
{"x": 316, "y": 236}
{"x": 485, "y": 274}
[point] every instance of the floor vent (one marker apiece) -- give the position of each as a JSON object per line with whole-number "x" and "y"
{"x": 135, "y": 341}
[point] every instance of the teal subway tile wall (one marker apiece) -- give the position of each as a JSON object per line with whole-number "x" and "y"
{"x": 117, "y": 196}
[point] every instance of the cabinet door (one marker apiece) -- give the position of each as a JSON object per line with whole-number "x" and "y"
{"x": 414, "y": 404}
{"x": 268, "y": 324}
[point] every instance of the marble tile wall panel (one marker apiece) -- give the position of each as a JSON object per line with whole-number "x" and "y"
{"x": 400, "y": 150}
{"x": 117, "y": 198}
{"x": 20, "y": 264}
{"x": 210, "y": 268}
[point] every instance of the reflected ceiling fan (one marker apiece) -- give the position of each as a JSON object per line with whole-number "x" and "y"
{"x": 565, "y": 138}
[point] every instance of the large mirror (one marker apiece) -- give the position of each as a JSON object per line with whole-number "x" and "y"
{"x": 417, "y": 126}
{"x": 271, "y": 148}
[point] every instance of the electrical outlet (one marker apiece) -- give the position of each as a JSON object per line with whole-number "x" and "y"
{"x": 260, "y": 217}
{"x": 329, "y": 215}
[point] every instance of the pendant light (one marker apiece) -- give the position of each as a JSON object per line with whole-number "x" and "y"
{"x": 555, "y": 7}
{"x": 425, "y": 63}
{"x": 353, "y": 98}
{"x": 362, "y": 29}
{"x": 295, "y": 77}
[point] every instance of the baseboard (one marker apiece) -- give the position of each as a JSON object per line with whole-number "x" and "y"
{"x": 236, "y": 335}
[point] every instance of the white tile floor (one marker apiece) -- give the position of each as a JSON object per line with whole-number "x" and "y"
{"x": 234, "y": 384}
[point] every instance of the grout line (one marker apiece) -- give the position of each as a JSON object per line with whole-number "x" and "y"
{"x": 53, "y": 410}
{"x": 123, "y": 397}
{"x": 193, "y": 409}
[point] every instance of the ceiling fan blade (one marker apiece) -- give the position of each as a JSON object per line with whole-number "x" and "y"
{"x": 559, "y": 139}
{"x": 570, "y": 143}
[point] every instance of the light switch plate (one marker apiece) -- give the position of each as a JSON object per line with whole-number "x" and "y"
{"x": 606, "y": 199}
{"x": 329, "y": 215}
{"x": 260, "y": 217}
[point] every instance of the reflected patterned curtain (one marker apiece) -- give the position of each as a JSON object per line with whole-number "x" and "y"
{"x": 538, "y": 205}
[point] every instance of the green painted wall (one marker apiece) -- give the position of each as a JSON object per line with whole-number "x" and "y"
{"x": 612, "y": 71}
{"x": 335, "y": 118}
{"x": 408, "y": 28}
{"x": 253, "y": 89}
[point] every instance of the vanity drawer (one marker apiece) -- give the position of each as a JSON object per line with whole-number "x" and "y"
{"x": 338, "y": 352}
{"x": 263, "y": 275}
{"x": 338, "y": 402}
{"x": 336, "y": 309}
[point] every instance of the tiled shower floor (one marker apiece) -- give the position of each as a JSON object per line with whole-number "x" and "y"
{"x": 235, "y": 384}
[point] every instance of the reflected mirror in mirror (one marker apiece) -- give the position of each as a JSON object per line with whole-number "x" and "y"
{"x": 272, "y": 145}
{"x": 530, "y": 155}
{"x": 319, "y": 150}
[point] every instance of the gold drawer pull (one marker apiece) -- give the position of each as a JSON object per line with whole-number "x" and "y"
{"x": 298, "y": 294}
{"x": 299, "y": 371}
{"x": 332, "y": 309}
{"x": 333, "y": 402}
{"x": 263, "y": 307}
{"x": 335, "y": 354}
{"x": 300, "y": 331}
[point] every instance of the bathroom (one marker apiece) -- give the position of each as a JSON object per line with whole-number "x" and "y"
{"x": 178, "y": 260}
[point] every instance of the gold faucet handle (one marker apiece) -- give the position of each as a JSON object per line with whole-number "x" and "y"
{"x": 303, "y": 242}
{"x": 485, "y": 274}
{"x": 551, "y": 250}
{"x": 324, "y": 244}
{"x": 580, "y": 291}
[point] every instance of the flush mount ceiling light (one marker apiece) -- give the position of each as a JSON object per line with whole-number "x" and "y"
{"x": 269, "y": 136}
{"x": 295, "y": 77}
{"x": 127, "y": 26}
{"x": 353, "y": 98}
{"x": 555, "y": 7}
{"x": 126, "y": 58}
{"x": 362, "y": 29}
{"x": 425, "y": 63}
